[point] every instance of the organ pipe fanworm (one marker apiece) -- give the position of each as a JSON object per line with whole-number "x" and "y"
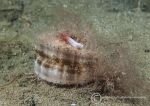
{"x": 70, "y": 41}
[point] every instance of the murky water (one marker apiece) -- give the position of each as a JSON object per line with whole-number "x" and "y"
{"x": 119, "y": 30}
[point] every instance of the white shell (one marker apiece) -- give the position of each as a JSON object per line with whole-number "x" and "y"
{"x": 59, "y": 63}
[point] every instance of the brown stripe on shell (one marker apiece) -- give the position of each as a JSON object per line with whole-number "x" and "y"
{"x": 70, "y": 56}
{"x": 56, "y": 49}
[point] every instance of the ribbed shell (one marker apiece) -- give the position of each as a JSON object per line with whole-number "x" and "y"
{"x": 60, "y": 63}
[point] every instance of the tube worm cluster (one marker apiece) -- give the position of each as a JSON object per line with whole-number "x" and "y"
{"x": 64, "y": 60}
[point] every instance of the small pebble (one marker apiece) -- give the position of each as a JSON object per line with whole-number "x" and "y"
{"x": 73, "y": 104}
{"x": 131, "y": 38}
{"x": 65, "y": 6}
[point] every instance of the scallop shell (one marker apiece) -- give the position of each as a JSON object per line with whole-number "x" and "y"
{"x": 60, "y": 63}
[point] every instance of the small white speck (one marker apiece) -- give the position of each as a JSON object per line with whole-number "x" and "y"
{"x": 123, "y": 73}
{"x": 65, "y": 6}
{"x": 73, "y": 104}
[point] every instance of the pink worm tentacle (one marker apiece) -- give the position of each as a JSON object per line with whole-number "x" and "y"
{"x": 70, "y": 41}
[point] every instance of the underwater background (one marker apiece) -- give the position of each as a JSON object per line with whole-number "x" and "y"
{"x": 119, "y": 27}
